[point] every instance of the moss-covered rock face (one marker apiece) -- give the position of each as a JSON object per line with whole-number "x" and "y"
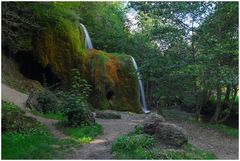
{"x": 115, "y": 84}
{"x": 112, "y": 76}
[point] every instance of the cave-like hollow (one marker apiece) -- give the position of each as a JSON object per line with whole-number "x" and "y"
{"x": 109, "y": 95}
{"x": 30, "y": 68}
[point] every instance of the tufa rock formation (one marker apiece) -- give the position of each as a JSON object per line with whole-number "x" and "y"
{"x": 112, "y": 76}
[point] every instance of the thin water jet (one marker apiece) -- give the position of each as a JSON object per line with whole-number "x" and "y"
{"x": 141, "y": 90}
{"x": 88, "y": 41}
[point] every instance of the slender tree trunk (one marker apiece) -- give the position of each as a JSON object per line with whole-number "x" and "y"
{"x": 227, "y": 95}
{"x": 219, "y": 104}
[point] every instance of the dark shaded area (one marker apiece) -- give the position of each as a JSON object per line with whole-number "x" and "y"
{"x": 109, "y": 95}
{"x": 31, "y": 69}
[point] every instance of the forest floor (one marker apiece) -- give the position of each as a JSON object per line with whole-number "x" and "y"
{"x": 224, "y": 147}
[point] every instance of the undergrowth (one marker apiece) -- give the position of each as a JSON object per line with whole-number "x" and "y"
{"x": 55, "y": 116}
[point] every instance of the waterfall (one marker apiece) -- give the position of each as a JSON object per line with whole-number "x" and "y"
{"x": 141, "y": 90}
{"x": 87, "y": 38}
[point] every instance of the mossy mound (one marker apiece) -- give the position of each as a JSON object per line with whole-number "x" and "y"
{"x": 61, "y": 46}
{"x": 14, "y": 119}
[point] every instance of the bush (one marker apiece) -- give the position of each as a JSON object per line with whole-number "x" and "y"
{"x": 14, "y": 119}
{"x": 74, "y": 102}
{"x": 48, "y": 102}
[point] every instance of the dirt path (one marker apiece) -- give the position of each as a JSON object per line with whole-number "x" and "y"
{"x": 222, "y": 146}
{"x": 101, "y": 147}
{"x": 19, "y": 99}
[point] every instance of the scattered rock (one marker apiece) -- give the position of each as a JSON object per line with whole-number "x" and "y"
{"x": 107, "y": 115}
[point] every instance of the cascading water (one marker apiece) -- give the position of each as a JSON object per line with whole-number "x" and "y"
{"x": 141, "y": 90}
{"x": 87, "y": 38}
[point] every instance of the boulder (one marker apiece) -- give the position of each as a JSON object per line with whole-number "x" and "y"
{"x": 151, "y": 122}
{"x": 165, "y": 132}
{"x": 170, "y": 134}
{"x": 107, "y": 115}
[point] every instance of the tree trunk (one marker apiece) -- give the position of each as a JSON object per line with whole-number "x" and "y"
{"x": 230, "y": 105}
{"x": 219, "y": 104}
{"x": 227, "y": 95}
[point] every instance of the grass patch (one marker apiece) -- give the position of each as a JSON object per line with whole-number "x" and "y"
{"x": 187, "y": 152}
{"x": 132, "y": 147}
{"x": 34, "y": 144}
{"x": 55, "y": 116}
{"x": 84, "y": 134}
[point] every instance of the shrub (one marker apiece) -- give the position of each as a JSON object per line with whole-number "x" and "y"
{"x": 48, "y": 102}
{"x": 74, "y": 102}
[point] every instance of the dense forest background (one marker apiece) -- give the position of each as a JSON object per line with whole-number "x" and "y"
{"x": 187, "y": 52}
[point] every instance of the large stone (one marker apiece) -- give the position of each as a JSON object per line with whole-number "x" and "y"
{"x": 108, "y": 115}
{"x": 165, "y": 132}
{"x": 151, "y": 122}
{"x": 171, "y": 134}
